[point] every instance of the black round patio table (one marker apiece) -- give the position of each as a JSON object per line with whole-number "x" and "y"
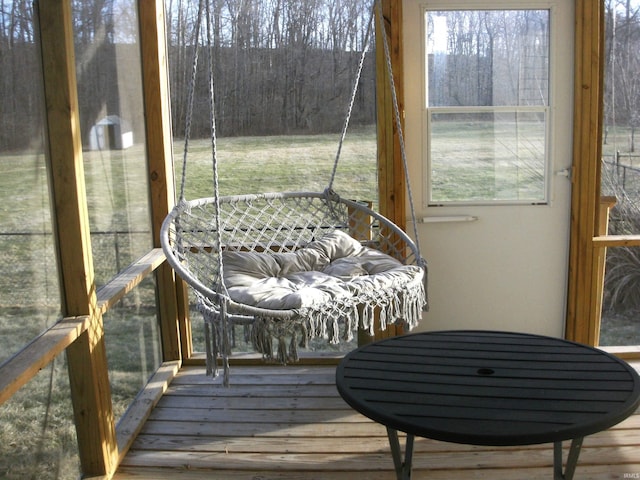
{"x": 488, "y": 388}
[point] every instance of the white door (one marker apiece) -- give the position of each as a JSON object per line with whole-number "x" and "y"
{"x": 488, "y": 109}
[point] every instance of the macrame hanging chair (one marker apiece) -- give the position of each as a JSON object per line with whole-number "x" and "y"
{"x": 291, "y": 266}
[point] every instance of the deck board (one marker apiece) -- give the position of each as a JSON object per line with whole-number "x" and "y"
{"x": 284, "y": 423}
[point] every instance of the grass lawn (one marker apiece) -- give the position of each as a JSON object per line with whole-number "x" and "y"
{"x": 282, "y": 163}
{"x": 38, "y": 438}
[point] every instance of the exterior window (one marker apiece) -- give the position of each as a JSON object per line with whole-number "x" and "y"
{"x": 621, "y": 172}
{"x": 487, "y": 106}
{"x": 116, "y": 172}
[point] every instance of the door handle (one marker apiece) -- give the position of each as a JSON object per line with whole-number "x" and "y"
{"x": 451, "y": 218}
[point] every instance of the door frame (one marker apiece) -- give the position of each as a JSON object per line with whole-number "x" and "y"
{"x": 584, "y": 295}
{"x": 584, "y": 277}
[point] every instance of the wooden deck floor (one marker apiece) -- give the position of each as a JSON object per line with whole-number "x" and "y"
{"x": 290, "y": 423}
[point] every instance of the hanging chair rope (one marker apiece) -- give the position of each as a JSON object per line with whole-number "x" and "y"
{"x": 352, "y": 101}
{"x": 221, "y": 291}
{"x": 204, "y": 8}
{"x": 190, "y": 98}
{"x": 396, "y": 116}
{"x": 396, "y": 108}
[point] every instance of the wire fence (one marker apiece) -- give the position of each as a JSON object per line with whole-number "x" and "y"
{"x": 28, "y": 270}
{"x": 623, "y": 171}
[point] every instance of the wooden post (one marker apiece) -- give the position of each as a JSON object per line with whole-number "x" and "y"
{"x": 173, "y": 301}
{"x": 90, "y": 390}
{"x": 391, "y": 180}
{"x": 587, "y": 152}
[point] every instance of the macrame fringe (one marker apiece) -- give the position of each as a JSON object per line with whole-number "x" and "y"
{"x": 403, "y": 305}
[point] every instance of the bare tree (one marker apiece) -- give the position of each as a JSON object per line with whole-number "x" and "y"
{"x": 622, "y": 87}
{"x": 279, "y": 65}
{"x": 20, "y": 99}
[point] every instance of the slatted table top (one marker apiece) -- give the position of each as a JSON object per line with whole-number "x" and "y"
{"x": 488, "y": 388}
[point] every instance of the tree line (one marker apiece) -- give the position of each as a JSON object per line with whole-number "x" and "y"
{"x": 622, "y": 70}
{"x": 280, "y": 66}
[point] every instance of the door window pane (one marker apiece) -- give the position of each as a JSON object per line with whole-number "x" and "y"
{"x": 487, "y": 112}
{"x": 487, "y": 156}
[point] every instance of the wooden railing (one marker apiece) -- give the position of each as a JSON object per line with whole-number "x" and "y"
{"x": 23, "y": 366}
{"x": 601, "y": 243}
{"x": 617, "y": 241}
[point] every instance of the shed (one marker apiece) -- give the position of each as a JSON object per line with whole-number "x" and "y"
{"x": 110, "y": 133}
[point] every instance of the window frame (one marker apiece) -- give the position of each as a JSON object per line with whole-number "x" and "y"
{"x": 443, "y": 5}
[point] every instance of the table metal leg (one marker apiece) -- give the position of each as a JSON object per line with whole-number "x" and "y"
{"x": 572, "y": 460}
{"x": 403, "y": 468}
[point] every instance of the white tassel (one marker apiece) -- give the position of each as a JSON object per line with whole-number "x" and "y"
{"x": 383, "y": 317}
